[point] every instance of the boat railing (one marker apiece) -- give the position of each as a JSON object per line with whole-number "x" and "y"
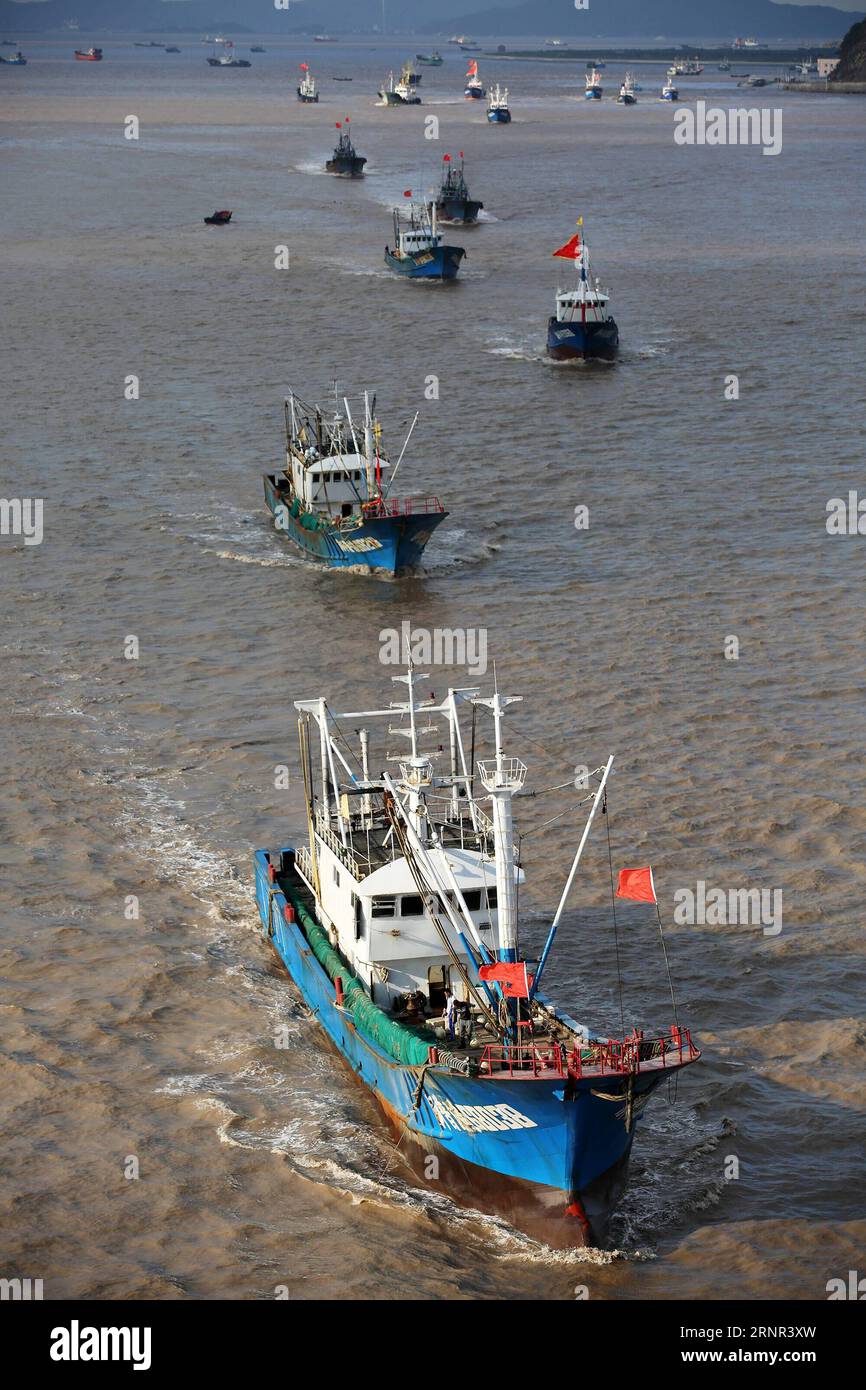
{"x": 402, "y": 506}
{"x": 612, "y": 1057}
{"x": 336, "y": 846}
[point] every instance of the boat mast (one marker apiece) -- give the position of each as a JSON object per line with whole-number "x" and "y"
{"x": 502, "y": 778}
{"x": 368, "y": 444}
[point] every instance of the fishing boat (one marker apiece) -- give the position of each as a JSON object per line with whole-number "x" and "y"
{"x": 430, "y": 60}
{"x": 345, "y": 159}
{"x": 409, "y": 75}
{"x": 227, "y": 58}
{"x": 89, "y": 55}
{"x": 396, "y": 916}
{"x": 594, "y": 90}
{"x": 306, "y": 88}
{"x": 257, "y": 48}
{"x": 418, "y": 251}
{"x": 335, "y": 499}
{"x": 398, "y": 93}
{"x": 325, "y": 38}
{"x": 498, "y": 110}
{"x": 627, "y": 96}
{"x": 597, "y": 63}
{"x": 172, "y": 49}
{"x": 690, "y": 67}
{"x": 582, "y": 326}
{"x": 724, "y": 66}
{"x": 219, "y": 219}
{"x": 670, "y": 91}
{"x": 16, "y": 61}
{"x": 453, "y": 203}
{"x": 474, "y": 89}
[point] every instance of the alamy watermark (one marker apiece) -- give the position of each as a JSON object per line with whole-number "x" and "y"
{"x": 731, "y": 907}
{"x": 759, "y": 125}
{"x": 22, "y": 516}
{"x": 438, "y": 646}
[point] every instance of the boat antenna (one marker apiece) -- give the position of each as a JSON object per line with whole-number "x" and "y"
{"x": 402, "y": 452}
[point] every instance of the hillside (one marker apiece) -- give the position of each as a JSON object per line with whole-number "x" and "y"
{"x": 852, "y": 55}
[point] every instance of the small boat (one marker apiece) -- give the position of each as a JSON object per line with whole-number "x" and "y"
{"x": 553, "y": 43}
{"x": 335, "y": 498}
{"x": 89, "y": 55}
{"x": 227, "y": 58}
{"x": 418, "y": 252}
{"x": 151, "y": 44}
{"x": 324, "y": 38}
{"x": 430, "y": 60}
{"x": 749, "y": 81}
{"x": 498, "y": 110}
{"x": 594, "y": 90}
{"x": 341, "y": 79}
{"x": 528, "y": 1113}
{"x": 398, "y": 93}
{"x": 257, "y": 48}
{"x": 172, "y": 50}
{"x": 219, "y": 219}
{"x": 725, "y": 66}
{"x": 627, "y": 95}
{"x": 582, "y": 326}
{"x": 306, "y": 89}
{"x": 453, "y": 203}
{"x": 345, "y": 160}
{"x": 409, "y": 75}
{"x": 599, "y": 64}
{"x": 691, "y": 67}
{"x": 670, "y": 91}
{"x": 17, "y": 61}
{"x": 473, "y": 89}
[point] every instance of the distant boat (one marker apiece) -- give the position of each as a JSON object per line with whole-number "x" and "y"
{"x": 626, "y": 92}
{"x": 345, "y": 159}
{"x": 19, "y": 61}
{"x": 398, "y": 93}
{"x": 691, "y": 67}
{"x": 599, "y": 64}
{"x": 498, "y": 110}
{"x": 227, "y": 59}
{"x": 553, "y": 43}
{"x": 418, "y": 251}
{"x": 89, "y": 55}
{"x": 430, "y": 60}
{"x": 582, "y": 326}
{"x": 341, "y": 79}
{"x": 324, "y": 38}
{"x": 725, "y": 66}
{"x": 306, "y": 88}
{"x": 473, "y": 89}
{"x": 594, "y": 89}
{"x": 172, "y": 50}
{"x": 453, "y": 203}
{"x": 670, "y": 92}
{"x": 409, "y": 75}
{"x": 219, "y": 219}
{"x": 257, "y": 48}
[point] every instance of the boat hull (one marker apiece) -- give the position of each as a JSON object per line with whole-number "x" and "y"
{"x": 462, "y": 211}
{"x": 350, "y": 166}
{"x": 499, "y": 117}
{"x": 594, "y": 94}
{"x": 386, "y": 546}
{"x": 547, "y": 1153}
{"x": 581, "y": 341}
{"x": 308, "y": 100}
{"x": 436, "y": 263}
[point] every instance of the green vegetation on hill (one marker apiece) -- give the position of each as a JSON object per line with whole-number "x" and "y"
{"x": 852, "y": 54}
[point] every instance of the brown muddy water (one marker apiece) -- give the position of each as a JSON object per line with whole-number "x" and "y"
{"x": 154, "y": 777}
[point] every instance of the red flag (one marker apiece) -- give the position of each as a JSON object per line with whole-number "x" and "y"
{"x": 513, "y": 976}
{"x": 339, "y": 125}
{"x": 446, "y": 158}
{"x": 347, "y": 120}
{"x": 472, "y": 70}
{"x": 304, "y": 67}
{"x": 461, "y": 154}
{"x": 407, "y": 193}
{"x": 570, "y": 249}
{"x": 638, "y": 885}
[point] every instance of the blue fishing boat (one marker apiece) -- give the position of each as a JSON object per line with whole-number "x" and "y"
{"x": 670, "y": 91}
{"x": 18, "y": 61}
{"x": 498, "y": 110}
{"x": 474, "y": 88}
{"x": 397, "y": 920}
{"x": 418, "y": 250}
{"x": 583, "y": 326}
{"x": 453, "y": 202}
{"x": 594, "y": 89}
{"x": 335, "y": 498}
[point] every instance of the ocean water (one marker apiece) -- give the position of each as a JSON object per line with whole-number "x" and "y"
{"x": 153, "y": 1037}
